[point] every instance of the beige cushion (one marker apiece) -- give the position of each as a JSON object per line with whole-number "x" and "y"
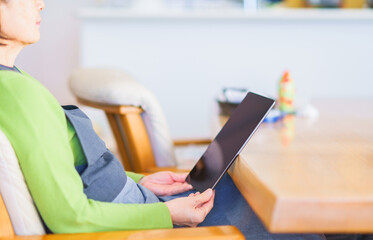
{"x": 21, "y": 208}
{"x": 116, "y": 87}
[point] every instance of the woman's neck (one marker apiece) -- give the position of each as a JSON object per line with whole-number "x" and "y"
{"x": 9, "y": 53}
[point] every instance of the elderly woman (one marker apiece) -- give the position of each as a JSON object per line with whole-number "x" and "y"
{"x": 76, "y": 183}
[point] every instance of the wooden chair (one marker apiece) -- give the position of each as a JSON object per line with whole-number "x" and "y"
{"x": 123, "y": 99}
{"x": 16, "y": 205}
{"x": 132, "y": 137}
{"x": 199, "y": 233}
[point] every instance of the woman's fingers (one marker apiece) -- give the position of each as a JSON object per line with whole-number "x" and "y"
{"x": 194, "y": 194}
{"x": 191, "y": 211}
{"x": 204, "y": 208}
{"x": 177, "y": 188}
{"x": 182, "y": 188}
{"x": 179, "y": 177}
{"x": 203, "y": 197}
{"x": 207, "y": 206}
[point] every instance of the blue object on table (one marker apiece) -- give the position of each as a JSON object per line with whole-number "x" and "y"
{"x": 273, "y": 116}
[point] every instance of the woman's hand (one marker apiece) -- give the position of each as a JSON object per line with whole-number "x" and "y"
{"x": 191, "y": 211}
{"x": 166, "y": 183}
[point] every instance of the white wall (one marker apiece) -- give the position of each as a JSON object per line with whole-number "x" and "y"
{"x": 185, "y": 62}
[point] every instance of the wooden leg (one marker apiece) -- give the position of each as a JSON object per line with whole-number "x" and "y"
{"x": 119, "y": 137}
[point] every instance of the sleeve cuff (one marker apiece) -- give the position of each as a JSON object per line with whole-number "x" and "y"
{"x": 135, "y": 176}
{"x": 162, "y": 216}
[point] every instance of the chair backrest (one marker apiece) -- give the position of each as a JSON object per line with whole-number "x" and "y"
{"x": 135, "y": 116}
{"x": 17, "y": 209}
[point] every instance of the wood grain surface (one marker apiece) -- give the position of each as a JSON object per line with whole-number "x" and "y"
{"x": 304, "y": 175}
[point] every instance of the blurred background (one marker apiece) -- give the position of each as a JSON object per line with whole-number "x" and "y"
{"x": 187, "y": 51}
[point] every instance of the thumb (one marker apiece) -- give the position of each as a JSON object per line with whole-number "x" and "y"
{"x": 179, "y": 177}
{"x": 203, "y": 197}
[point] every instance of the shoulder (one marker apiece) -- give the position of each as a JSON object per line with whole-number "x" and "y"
{"x": 15, "y": 83}
{"x": 16, "y": 86}
{"x": 23, "y": 96}
{"x": 10, "y": 79}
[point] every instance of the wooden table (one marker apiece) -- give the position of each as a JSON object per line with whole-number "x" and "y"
{"x": 305, "y": 175}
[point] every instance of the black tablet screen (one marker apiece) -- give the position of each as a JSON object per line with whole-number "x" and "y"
{"x": 222, "y": 152}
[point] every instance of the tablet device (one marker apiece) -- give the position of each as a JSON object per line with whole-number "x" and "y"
{"x": 230, "y": 141}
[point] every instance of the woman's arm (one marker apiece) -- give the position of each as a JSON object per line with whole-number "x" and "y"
{"x": 36, "y": 126}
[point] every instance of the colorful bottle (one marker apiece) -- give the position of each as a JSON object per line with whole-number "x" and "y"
{"x": 286, "y": 94}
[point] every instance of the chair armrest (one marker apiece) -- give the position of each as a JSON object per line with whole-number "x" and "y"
{"x": 184, "y": 142}
{"x": 199, "y": 233}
